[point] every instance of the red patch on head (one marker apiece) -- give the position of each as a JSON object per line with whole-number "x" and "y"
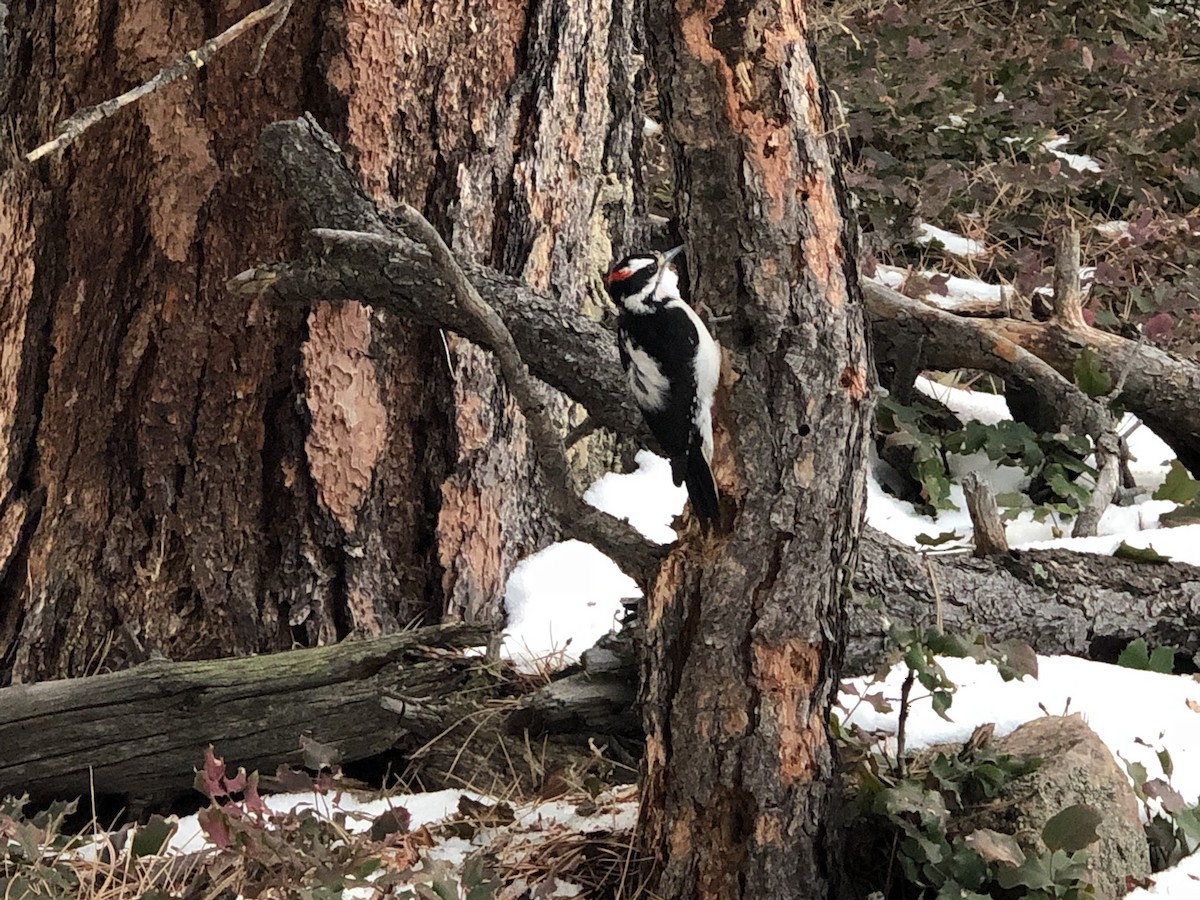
{"x": 618, "y": 275}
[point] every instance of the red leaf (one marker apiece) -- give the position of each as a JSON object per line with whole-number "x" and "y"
{"x": 1159, "y": 326}
{"x": 236, "y": 783}
{"x": 210, "y": 779}
{"x": 916, "y": 48}
{"x": 253, "y": 802}
{"x": 215, "y": 825}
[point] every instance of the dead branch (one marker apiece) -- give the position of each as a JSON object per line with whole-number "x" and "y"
{"x": 1068, "y": 296}
{"x": 948, "y": 342}
{"x": 70, "y": 130}
{"x": 399, "y": 262}
{"x": 142, "y": 732}
{"x": 1058, "y": 601}
{"x": 990, "y": 538}
{"x": 614, "y": 537}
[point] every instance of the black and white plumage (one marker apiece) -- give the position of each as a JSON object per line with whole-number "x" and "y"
{"x": 672, "y": 365}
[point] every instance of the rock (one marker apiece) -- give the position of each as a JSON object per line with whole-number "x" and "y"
{"x": 1076, "y": 767}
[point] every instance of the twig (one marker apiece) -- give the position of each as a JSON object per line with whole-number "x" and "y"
{"x": 902, "y": 721}
{"x": 614, "y": 537}
{"x": 271, "y": 32}
{"x": 1108, "y": 461}
{"x": 1068, "y": 297}
{"x": 70, "y": 130}
{"x": 937, "y": 594}
{"x": 990, "y": 539}
{"x": 580, "y": 431}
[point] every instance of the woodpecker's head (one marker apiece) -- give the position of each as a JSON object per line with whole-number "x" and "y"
{"x": 644, "y": 282}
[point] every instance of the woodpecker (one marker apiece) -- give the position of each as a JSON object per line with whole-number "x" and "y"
{"x": 672, "y": 364}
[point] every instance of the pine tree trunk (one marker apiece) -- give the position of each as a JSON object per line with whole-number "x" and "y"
{"x": 181, "y": 474}
{"x": 741, "y": 664}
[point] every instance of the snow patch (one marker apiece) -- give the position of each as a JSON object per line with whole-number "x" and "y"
{"x": 953, "y": 243}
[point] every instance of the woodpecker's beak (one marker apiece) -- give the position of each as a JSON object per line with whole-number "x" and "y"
{"x": 671, "y": 254}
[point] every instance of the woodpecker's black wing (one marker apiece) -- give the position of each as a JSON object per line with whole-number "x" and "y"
{"x": 658, "y": 352}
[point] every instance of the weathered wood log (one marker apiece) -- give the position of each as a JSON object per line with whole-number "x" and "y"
{"x": 1079, "y": 604}
{"x": 142, "y": 732}
{"x": 1058, "y": 601}
{"x": 1159, "y": 387}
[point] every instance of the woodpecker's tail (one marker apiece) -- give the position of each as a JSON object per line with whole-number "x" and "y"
{"x": 693, "y": 471}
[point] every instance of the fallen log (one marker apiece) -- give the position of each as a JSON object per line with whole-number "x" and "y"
{"x": 142, "y": 732}
{"x": 1058, "y": 601}
{"x": 1159, "y": 387}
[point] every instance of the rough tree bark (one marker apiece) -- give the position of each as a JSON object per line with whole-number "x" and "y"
{"x": 743, "y": 629}
{"x": 181, "y": 473}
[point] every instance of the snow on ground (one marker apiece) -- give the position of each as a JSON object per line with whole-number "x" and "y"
{"x": 425, "y": 809}
{"x": 1123, "y": 706}
{"x": 563, "y": 599}
{"x": 958, "y": 291}
{"x": 1135, "y": 713}
{"x": 953, "y": 243}
{"x": 613, "y": 811}
{"x": 1077, "y": 161}
{"x": 1136, "y": 524}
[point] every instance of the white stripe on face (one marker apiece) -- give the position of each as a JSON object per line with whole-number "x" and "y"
{"x": 664, "y": 286}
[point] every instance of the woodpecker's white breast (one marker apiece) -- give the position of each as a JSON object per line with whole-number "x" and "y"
{"x": 708, "y": 372}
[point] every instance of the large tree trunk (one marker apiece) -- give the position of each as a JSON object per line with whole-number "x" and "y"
{"x": 743, "y": 629}
{"x": 180, "y": 474}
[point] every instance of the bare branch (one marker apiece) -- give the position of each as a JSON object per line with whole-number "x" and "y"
{"x": 1108, "y": 461}
{"x": 990, "y": 538}
{"x": 271, "y": 32}
{"x": 614, "y": 537}
{"x": 562, "y": 347}
{"x": 70, "y": 130}
{"x": 1068, "y": 296}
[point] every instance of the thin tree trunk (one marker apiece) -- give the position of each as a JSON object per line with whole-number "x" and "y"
{"x": 743, "y": 629}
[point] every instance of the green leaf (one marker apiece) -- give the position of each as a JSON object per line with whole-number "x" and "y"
{"x": 1035, "y": 874}
{"x": 1164, "y": 760}
{"x": 1072, "y": 829}
{"x": 1136, "y": 655}
{"x": 1189, "y": 820}
{"x": 1089, "y": 378}
{"x": 1139, "y": 554}
{"x": 150, "y": 838}
{"x": 1179, "y": 486}
{"x": 926, "y": 540}
{"x": 941, "y": 703}
{"x": 1163, "y": 660}
{"x": 1138, "y": 774}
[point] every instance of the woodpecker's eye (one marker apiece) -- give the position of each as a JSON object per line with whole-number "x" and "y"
{"x": 618, "y": 275}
